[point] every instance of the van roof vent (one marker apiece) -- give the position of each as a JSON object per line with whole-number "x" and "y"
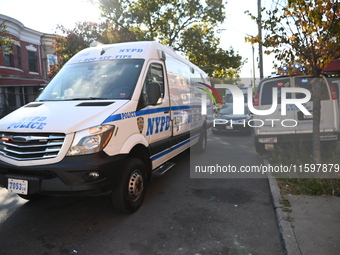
{"x": 34, "y": 105}
{"x": 95, "y": 103}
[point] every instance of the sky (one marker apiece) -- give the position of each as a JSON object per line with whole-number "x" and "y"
{"x": 43, "y": 16}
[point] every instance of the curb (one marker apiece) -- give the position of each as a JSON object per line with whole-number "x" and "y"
{"x": 289, "y": 240}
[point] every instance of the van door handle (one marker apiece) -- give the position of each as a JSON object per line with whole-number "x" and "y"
{"x": 166, "y": 111}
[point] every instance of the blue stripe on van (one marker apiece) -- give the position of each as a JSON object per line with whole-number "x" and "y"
{"x": 118, "y": 116}
{"x": 167, "y": 151}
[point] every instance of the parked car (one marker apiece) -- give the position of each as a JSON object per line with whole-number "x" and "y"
{"x": 227, "y": 122}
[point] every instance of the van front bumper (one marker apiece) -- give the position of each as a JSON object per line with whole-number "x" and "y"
{"x": 77, "y": 175}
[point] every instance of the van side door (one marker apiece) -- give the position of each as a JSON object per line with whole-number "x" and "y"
{"x": 157, "y": 124}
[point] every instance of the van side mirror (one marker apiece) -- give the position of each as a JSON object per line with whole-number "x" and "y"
{"x": 40, "y": 90}
{"x": 154, "y": 93}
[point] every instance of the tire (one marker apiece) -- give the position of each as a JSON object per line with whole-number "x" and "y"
{"x": 260, "y": 148}
{"x": 129, "y": 193}
{"x": 201, "y": 145}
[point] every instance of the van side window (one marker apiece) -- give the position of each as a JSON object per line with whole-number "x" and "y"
{"x": 267, "y": 90}
{"x": 155, "y": 74}
{"x": 308, "y": 83}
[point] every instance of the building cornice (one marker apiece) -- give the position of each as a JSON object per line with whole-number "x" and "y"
{"x": 16, "y": 28}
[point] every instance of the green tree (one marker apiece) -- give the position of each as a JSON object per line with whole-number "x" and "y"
{"x": 185, "y": 25}
{"x": 308, "y": 32}
{"x": 74, "y": 40}
{"x": 82, "y": 35}
{"x": 206, "y": 53}
{"x": 5, "y": 40}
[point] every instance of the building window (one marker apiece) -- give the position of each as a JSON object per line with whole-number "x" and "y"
{"x": 52, "y": 59}
{"x": 32, "y": 61}
{"x": 19, "y": 56}
{"x": 8, "y": 58}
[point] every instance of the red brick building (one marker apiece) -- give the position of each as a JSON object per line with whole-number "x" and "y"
{"x": 26, "y": 69}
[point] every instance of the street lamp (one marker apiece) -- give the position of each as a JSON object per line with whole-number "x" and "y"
{"x": 259, "y": 15}
{"x": 253, "y": 53}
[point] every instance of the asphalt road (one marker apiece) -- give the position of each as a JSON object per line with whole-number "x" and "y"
{"x": 180, "y": 215}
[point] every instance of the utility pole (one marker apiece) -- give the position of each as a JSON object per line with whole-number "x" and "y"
{"x": 254, "y": 79}
{"x": 259, "y": 17}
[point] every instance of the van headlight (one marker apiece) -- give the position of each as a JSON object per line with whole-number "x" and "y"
{"x": 91, "y": 140}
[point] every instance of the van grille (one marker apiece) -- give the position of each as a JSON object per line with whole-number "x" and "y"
{"x": 30, "y": 146}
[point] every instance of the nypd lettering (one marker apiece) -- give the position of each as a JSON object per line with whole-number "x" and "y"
{"x": 157, "y": 125}
{"x": 35, "y": 122}
{"x": 130, "y": 50}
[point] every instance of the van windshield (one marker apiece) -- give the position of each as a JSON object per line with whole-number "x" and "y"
{"x": 111, "y": 79}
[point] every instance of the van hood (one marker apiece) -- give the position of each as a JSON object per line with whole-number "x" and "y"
{"x": 59, "y": 116}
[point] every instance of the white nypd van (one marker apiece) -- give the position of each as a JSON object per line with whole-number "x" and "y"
{"x": 110, "y": 119}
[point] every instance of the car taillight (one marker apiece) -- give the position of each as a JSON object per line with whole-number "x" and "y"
{"x": 257, "y": 99}
{"x": 333, "y": 92}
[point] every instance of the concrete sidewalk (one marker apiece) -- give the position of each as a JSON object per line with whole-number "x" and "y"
{"x": 309, "y": 225}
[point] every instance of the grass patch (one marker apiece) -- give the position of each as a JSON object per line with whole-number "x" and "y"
{"x": 319, "y": 187}
{"x": 299, "y": 155}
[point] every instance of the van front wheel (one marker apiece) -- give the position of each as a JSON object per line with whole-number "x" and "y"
{"x": 129, "y": 194}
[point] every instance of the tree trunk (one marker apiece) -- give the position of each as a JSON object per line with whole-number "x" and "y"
{"x": 316, "y": 120}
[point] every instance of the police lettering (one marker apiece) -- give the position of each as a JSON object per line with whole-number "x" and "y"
{"x": 158, "y": 125}
{"x": 127, "y": 115}
{"x": 29, "y": 122}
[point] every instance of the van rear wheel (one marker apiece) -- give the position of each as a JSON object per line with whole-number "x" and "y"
{"x": 129, "y": 193}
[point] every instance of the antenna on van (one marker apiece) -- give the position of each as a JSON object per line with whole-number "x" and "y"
{"x": 95, "y": 44}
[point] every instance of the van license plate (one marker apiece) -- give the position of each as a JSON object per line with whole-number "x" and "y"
{"x": 328, "y": 137}
{"x": 268, "y": 140}
{"x": 18, "y": 186}
{"x": 229, "y": 127}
